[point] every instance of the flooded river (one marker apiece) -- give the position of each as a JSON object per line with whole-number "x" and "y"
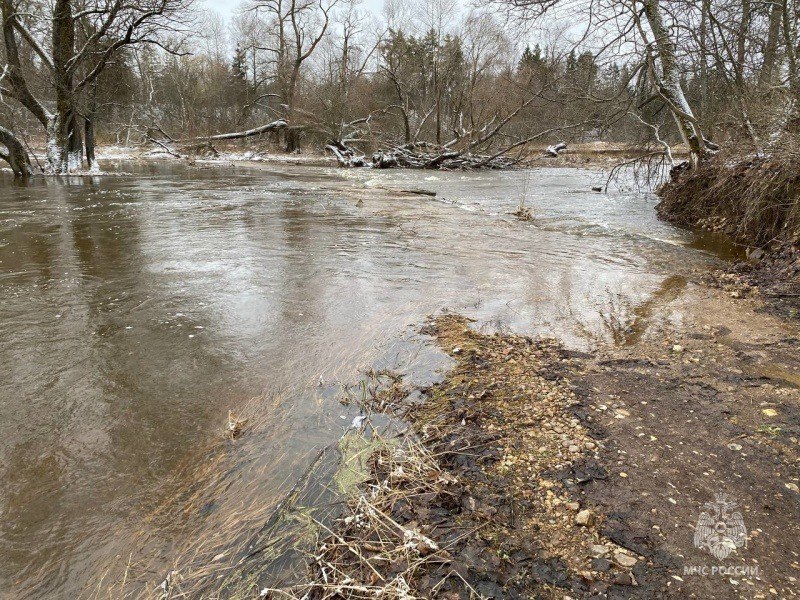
{"x": 135, "y": 311}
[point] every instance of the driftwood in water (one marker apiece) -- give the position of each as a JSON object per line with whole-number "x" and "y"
{"x": 556, "y": 149}
{"x": 346, "y": 156}
{"x": 419, "y": 156}
{"x": 203, "y": 145}
{"x": 382, "y": 160}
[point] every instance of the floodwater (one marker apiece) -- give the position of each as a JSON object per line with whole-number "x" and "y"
{"x": 135, "y": 311}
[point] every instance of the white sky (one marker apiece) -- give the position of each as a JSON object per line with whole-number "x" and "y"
{"x": 223, "y": 7}
{"x": 227, "y": 7}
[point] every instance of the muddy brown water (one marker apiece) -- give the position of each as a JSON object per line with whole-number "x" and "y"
{"x": 136, "y": 310}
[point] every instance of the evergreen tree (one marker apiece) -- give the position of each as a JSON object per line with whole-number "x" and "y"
{"x": 239, "y": 93}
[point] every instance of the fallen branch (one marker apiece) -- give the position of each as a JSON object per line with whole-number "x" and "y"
{"x": 278, "y": 125}
{"x": 163, "y": 146}
{"x": 345, "y": 156}
{"x": 556, "y": 149}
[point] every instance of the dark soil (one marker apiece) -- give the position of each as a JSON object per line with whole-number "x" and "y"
{"x": 774, "y": 278}
{"x": 718, "y": 416}
{"x": 641, "y": 437}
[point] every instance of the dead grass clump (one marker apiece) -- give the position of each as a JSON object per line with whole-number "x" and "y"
{"x": 754, "y": 198}
{"x": 235, "y": 425}
{"x": 371, "y": 551}
{"x": 379, "y": 391}
{"x": 523, "y": 213}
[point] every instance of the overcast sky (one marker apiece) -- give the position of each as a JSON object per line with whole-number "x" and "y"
{"x": 224, "y": 7}
{"x": 228, "y": 7}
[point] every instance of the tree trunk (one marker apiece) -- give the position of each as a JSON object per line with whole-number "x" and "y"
{"x": 791, "y": 55}
{"x": 91, "y": 162}
{"x": 741, "y": 44}
{"x": 771, "y": 47}
{"x": 791, "y": 110}
{"x": 705, "y": 9}
{"x": 669, "y": 84}
{"x": 88, "y": 129}
{"x": 64, "y": 142}
{"x": 292, "y": 137}
{"x": 16, "y": 155}
{"x": 12, "y": 72}
{"x": 292, "y": 140}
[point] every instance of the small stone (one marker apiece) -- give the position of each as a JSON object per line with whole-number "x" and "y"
{"x": 623, "y": 475}
{"x": 572, "y": 506}
{"x": 573, "y": 448}
{"x": 585, "y": 518}
{"x": 457, "y": 350}
{"x": 735, "y": 447}
{"x": 624, "y": 560}
{"x": 601, "y": 564}
{"x": 755, "y": 255}
{"x": 793, "y": 487}
{"x": 598, "y": 550}
{"x": 770, "y": 412}
{"x": 624, "y": 579}
{"x": 590, "y": 445}
{"x": 677, "y": 348}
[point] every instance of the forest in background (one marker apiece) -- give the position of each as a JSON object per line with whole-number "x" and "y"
{"x": 434, "y": 81}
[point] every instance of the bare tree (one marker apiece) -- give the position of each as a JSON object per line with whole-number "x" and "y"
{"x": 85, "y": 37}
{"x": 298, "y": 27}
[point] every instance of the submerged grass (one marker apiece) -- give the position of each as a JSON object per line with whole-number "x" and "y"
{"x": 476, "y": 493}
{"x": 481, "y": 496}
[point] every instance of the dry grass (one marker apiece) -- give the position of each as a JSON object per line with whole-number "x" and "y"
{"x": 368, "y": 552}
{"x": 756, "y": 199}
{"x": 201, "y": 527}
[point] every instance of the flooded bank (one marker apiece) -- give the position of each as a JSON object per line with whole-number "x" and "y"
{"x": 135, "y": 311}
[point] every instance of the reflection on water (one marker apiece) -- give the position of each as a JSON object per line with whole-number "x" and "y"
{"x": 135, "y": 311}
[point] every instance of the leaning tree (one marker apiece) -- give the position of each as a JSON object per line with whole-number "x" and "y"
{"x": 72, "y": 42}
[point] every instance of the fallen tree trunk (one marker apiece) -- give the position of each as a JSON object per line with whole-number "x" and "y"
{"x": 410, "y": 156}
{"x": 345, "y": 156}
{"x": 556, "y": 149}
{"x": 278, "y": 125}
{"x": 381, "y": 160}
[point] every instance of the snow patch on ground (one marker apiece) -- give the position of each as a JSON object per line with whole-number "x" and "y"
{"x": 250, "y": 156}
{"x": 118, "y": 153}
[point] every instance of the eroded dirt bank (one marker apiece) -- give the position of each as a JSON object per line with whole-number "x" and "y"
{"x": 532, "y": 471}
